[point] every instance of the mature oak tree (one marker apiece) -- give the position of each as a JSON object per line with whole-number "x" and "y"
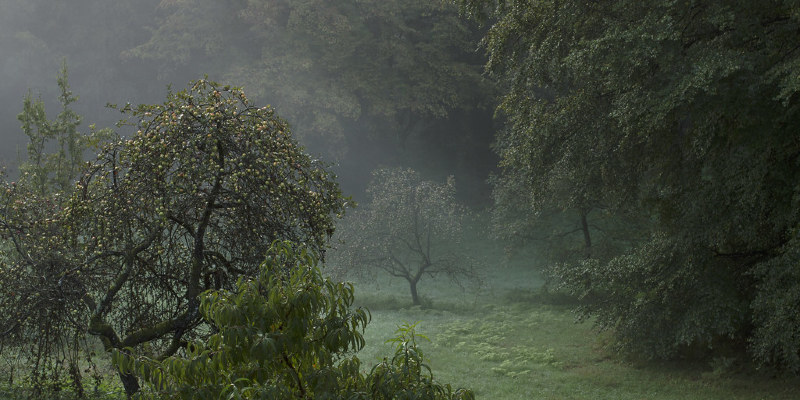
{"x": 190, "y": 202}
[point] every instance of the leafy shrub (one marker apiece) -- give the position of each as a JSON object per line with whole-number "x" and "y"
{"x": 406, "y": 375}
{"x": 288, "y": 334}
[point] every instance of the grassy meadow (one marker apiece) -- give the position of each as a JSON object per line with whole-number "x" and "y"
{"x": 508, "y": 342}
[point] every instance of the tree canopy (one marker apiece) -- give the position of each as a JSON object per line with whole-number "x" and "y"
{"x": 329, "y": 64}
{"x": 375, "y": 83}
{"x": 363, "y": 82}
{"x": 684, "y": 114}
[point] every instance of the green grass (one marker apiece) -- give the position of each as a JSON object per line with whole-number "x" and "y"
{"x": 507, "y": 341}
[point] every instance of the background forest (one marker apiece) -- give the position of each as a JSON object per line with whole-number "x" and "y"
{"x": 512, "y": 162}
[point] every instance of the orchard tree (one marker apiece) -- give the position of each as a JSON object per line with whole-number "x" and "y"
{"x": 287, "y": 333}
{"x": 684, "y": 114}
{"x": 190, "y": 202}
{"x": 410, "y": 228}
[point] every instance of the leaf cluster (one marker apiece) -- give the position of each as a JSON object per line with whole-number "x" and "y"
{"x": 55, "y": 147}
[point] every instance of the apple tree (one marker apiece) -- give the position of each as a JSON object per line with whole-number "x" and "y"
{"x": 190, "y": 202}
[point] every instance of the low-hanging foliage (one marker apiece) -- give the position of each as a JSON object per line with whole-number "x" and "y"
{"x": 681, "y": 117}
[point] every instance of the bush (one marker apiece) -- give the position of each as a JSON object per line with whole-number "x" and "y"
{"x": 288, "y": 334}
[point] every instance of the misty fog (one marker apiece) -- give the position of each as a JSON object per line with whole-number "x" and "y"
{"x": 103, "y": 45}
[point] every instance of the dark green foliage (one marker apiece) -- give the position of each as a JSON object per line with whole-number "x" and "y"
{"x": 289, "y": 333}
{"x": 776, "y": 339}
{"x": 654, "y": 309}
{"x": 682, "y": 116}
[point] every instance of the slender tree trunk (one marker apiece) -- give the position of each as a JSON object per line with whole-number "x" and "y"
{"x": 414, "y": 296}
{"x": 587, "y": 238}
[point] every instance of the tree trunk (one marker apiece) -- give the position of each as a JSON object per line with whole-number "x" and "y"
{"x": 414, "y": 296}
{"x": 130, "y": 383}
{"x": 587, "y": 238}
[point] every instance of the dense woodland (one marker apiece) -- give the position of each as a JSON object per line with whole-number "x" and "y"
{"x": 648, "y": 152}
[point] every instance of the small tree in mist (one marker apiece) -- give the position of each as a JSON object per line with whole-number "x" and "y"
{"x": 56, "y": 147}
{"x": 410, "y": 228}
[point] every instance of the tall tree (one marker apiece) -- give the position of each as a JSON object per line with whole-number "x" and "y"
{"x": 190, "y": 202}
{"x": 684, "y": 113}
